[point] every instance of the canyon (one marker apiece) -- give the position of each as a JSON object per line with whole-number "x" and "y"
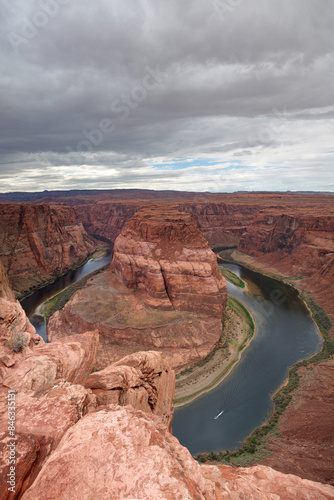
{"x": 285, "y": 235}
{"x": 106, "y": 434}
{"x": 40, "y": 242}
{"x": 163, "y": 291}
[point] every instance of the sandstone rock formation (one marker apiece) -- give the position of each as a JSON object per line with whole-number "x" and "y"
{"x": 107, "y": 218}
{"x": 14, "y": 325}
{"x": 39, "y": 242}
{"x": 42, "y": 418}
{"x": 125, "y": 453}
{"x": 71, "y": 359}
{"x": 70, "y": 442}
{"x": 298, "y": 245}
{"x": 162, "y": 252}
{"x": 222, "y": 218}
{"x": 221, "y": 223}
{"x": 164, "y": 292}
{"x": 143, "y": 380}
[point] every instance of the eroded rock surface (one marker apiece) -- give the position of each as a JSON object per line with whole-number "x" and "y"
{"x": 71, "y": 359}
{"x": 162, "y": 252}
{"x": 42, "y": 418}
{"x": 39, "y": 242}
{"x": 13, "y": 320}
{"x": 143, "y": 380}
{"x": 296, "y": 244}
{"x": 306, "y": 441}
{"x": 125, "y": 453}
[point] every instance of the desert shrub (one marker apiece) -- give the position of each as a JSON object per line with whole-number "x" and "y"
{"x": 17, "y": 342}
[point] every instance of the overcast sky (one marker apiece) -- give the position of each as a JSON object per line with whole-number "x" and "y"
{"x": 198, "y": 95}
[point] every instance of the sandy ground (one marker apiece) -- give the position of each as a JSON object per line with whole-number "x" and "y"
{"x": 190, "y": 386}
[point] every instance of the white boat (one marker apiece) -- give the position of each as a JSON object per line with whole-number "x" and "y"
{"x": 217, "y": 416}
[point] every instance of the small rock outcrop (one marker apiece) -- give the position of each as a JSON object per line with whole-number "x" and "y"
{"x": 71, "y": 359}
{"x": 39, "y": 242}
{"x": 15, "y": 328}
{"x": 143, "y": 380}
{"x": 42, "y": 418}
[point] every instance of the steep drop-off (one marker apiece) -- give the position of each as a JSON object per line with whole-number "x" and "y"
{"x": 40, "y": 242}
{"x": 222, "y": 218}
{"x": 163, "y": 291}
{"x": 297, "y": 245}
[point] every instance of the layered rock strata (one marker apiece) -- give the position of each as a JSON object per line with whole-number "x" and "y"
{"x": 299, "y": 245}
{"x": 164, "y": 291}
{"x": 162, "y": 252}
{"x": 39, "y": 242}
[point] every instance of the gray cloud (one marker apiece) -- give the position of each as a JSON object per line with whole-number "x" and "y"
{"x": 95, "y": 93}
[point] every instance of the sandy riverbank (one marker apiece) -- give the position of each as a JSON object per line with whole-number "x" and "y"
{"x": 236, "y": 334}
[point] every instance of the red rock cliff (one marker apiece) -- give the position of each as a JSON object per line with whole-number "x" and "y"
{"x": 299, "y": 245}
{"x": 105, "y": 218}
{"x": 13, "y": 320}
{"x": 161, "y": 251}
{"x": 39, "y": 242}
{"x": 296, "y": 244}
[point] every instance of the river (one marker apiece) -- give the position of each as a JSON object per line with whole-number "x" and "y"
{"x": 285, "y": 333}
{"x": 32, "y": 303}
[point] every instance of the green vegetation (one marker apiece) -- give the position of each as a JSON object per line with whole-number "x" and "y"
{"x": 247, "y": 319}
{"x": 58, "y": 301}
{"x": 248, "y": 327}
{"x": 254, "y": 449}
{"x": 232, "y": 278}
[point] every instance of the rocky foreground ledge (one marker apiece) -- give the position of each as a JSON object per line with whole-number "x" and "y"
{"x": 82, "y": 435}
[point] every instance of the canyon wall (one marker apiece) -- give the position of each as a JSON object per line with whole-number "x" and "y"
{"x": 222, "y": 218}
{"x": 220, "y": 222}
{"x": 105, "y": 218}
{"x": 298, "y": 245}
{"x": 40, "y": 242}
{"x": 72, "y": 441}
{"x": 84, "y": 435}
